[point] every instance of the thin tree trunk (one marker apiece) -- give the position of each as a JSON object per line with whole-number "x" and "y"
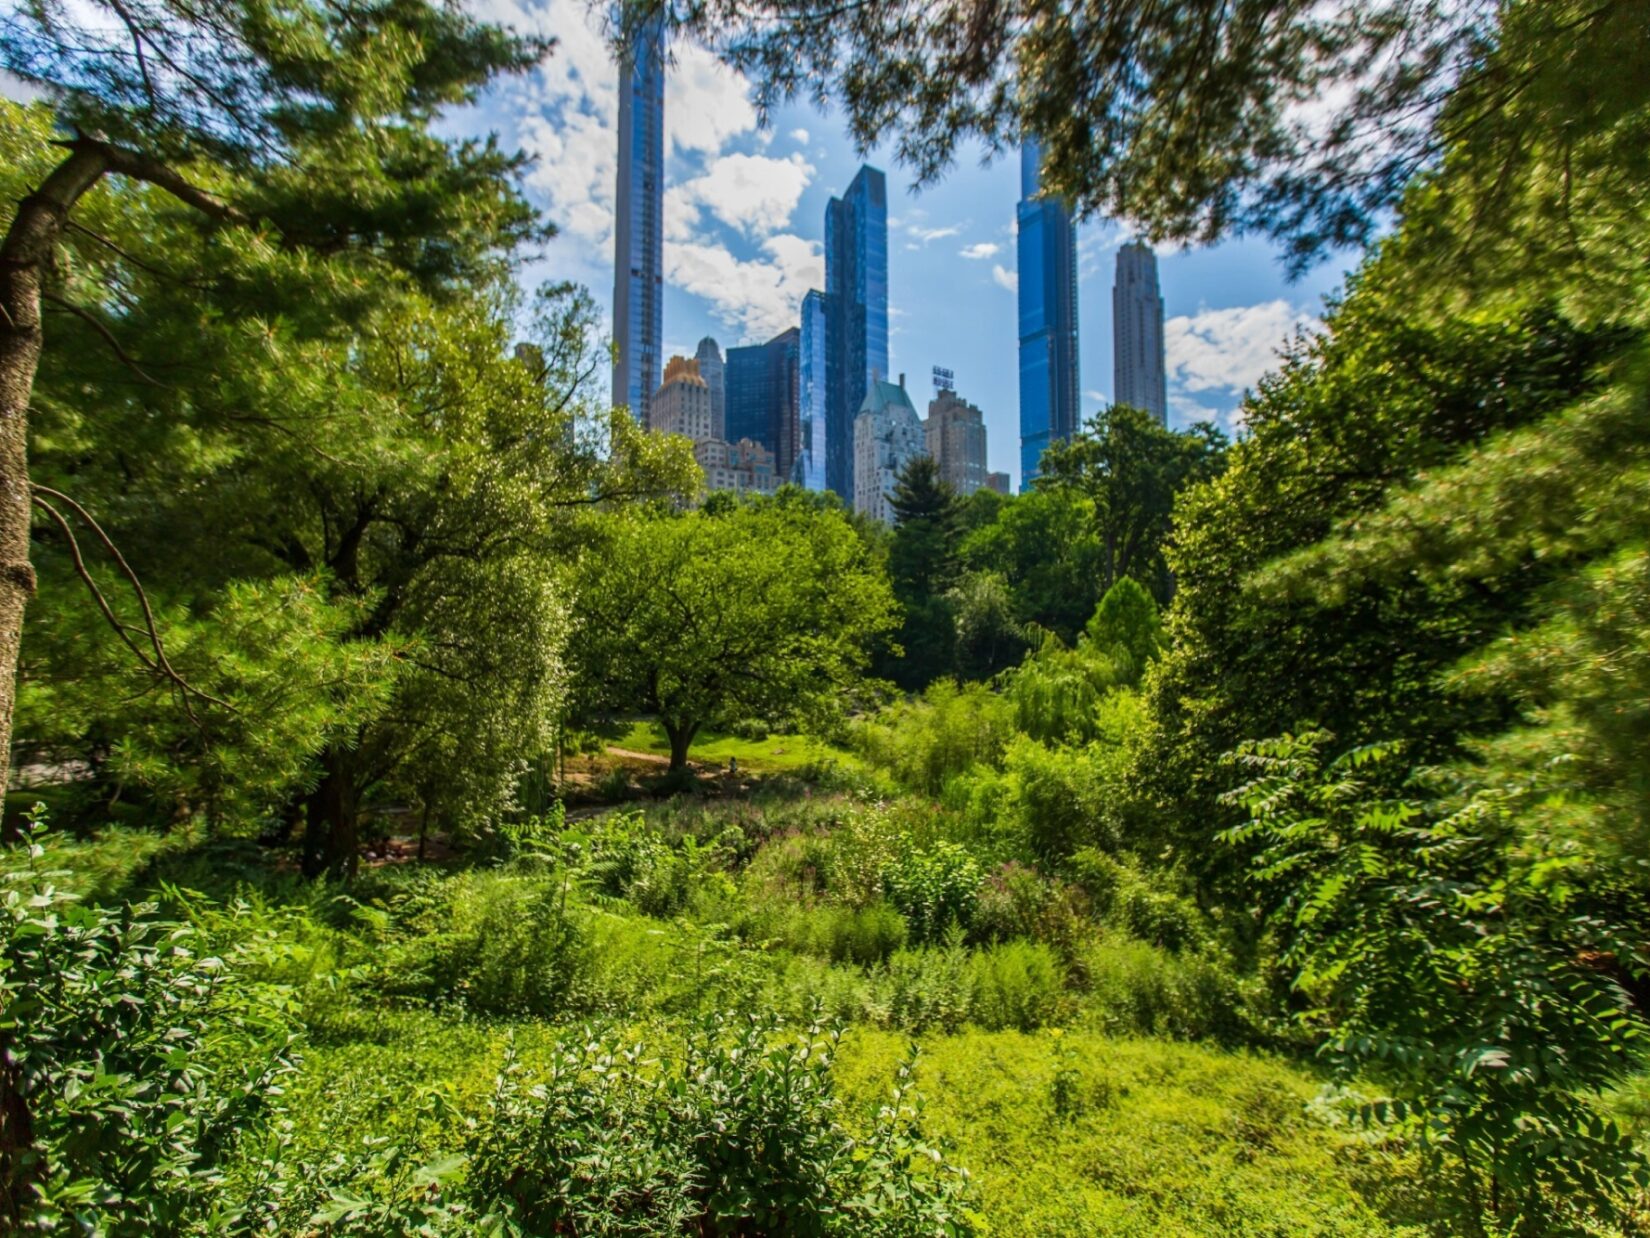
{"x": 25, "y": 261}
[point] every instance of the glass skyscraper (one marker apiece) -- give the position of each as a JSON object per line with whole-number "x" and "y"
{"x": 1047, "y": 261}
{"x": 809, "y": 470}
{"x": 638, "y": 234}
{"x": 1139, "y": 373}
{"x": 856, "y": 314}
{"x": 762, "y": 390}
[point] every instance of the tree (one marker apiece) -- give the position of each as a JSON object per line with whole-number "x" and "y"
{"x": 281, "y": 126}
{"x": 1299, "y": 120}
{"x": 922, "y": 563}
{"x": 1043, "y": 544}
{"x": 1129, "y": 469}
{"x": 764, "y": 609}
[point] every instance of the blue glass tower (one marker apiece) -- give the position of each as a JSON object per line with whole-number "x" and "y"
{"x": 1047, "y": 259}
{"x": 856, "y": 314}
{"x": 762, "y": 388}
{"x": 809, "y": 470}
{"x": 638, "y": 233}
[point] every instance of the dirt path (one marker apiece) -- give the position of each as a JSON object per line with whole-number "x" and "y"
{"x": 652, "y": 758}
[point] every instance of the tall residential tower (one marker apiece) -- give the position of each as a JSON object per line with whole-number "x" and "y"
{"x": 638, "y": 234}
{"x": 809, "y": 470}
{"x": 856, "y": 311}
{"x": 1139, "y": 372}
{"x": 1047, "y": 258}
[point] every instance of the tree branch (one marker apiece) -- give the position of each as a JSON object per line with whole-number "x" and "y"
{"x": 108, "y": 336}
{"x": 158, "y": 664}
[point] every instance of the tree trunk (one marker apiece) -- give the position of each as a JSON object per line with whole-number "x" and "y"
{"x": 25, "y": 262}
{"x": 681, "y": 739}
{"x": 341, "y": 809}
{"x": 18, "y": 1159}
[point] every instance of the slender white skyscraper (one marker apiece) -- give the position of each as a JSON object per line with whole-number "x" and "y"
{"x": 1139, "y": 372}
{"x": 638, "y": 233}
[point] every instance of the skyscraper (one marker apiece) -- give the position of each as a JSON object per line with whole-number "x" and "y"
{"x": 762, "y": 385}
{"x": 709, "y": 357}
{"x": 1047, "y": 263}
{"x": 681, "y": 405}
{"x": 809, "y": 469}
{"x": 887, "y": 436}
{"x": 955, "y": 436}
{"x": 856, "y": 313}
{"x": 638, "y": 234}
{"x": 1139, "y": 375}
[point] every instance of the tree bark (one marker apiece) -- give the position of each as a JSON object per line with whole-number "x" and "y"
{"x": 25, "y": 263}
{"x": 339, "y": 806}
{"x": 681, "y": 739}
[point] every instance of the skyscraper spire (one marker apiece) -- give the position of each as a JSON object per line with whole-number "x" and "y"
{"x": 638, "y": 234}
{"x": 1047, "y": 260}
{"x": 1139, "y": 371}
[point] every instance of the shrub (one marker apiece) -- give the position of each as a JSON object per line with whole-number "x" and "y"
{"x": 134, "y": 1060}
{"x": 927, "y": 988}
{"x": 1140, "y": 989}
{"x": 743, "y": 1134}
{"x": 1135, "y": 901}
{"x": 868, "y": 935}
{"x": 1017, "y": 985}
{"x": 934, "y": 888}
{"x": 495, "y": 942}
{"x": 927, "y": 742}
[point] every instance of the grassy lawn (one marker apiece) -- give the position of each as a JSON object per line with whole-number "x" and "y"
{"x": 773, "y": 754}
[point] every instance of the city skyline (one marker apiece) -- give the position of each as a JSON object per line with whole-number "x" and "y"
{"x": 744, "y": 236}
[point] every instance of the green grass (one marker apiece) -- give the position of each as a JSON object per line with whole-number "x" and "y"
{"x": 1161, "y": 1140}
{"x": 1155, "y": 1139}
{"x": 776, "y": 753}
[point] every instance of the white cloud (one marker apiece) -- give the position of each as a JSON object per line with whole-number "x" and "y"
{"x": 934, "y": 234}
{"x": 754, "y": 193}
{"x": 759, "y": 296}
{"x": 1005, "y": 278}
{"x": 984, "y": 249}
{"x": 1229, "y": 349}
{"x": 706, "y": 103}
{"x": 800, "y": 136}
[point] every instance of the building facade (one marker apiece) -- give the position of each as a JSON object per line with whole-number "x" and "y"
{"x": 682, "y": 404}
{"x": 1046, "y": 256}
{"x": 763, "y": 389}
{"x": 638, "y": 232}
{"x": 709, "y": 357}
{"x": 887, "y": 435}
{"x": 808, "y": 470}
{"x": 856, "y": 311}
{"x": 1140, "y": 373}
{"x": 743, "y": 467}
{"x": 955, "y": 436}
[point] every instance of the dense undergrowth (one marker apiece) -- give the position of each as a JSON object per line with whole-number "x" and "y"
{"x": 541, "y": 1038}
